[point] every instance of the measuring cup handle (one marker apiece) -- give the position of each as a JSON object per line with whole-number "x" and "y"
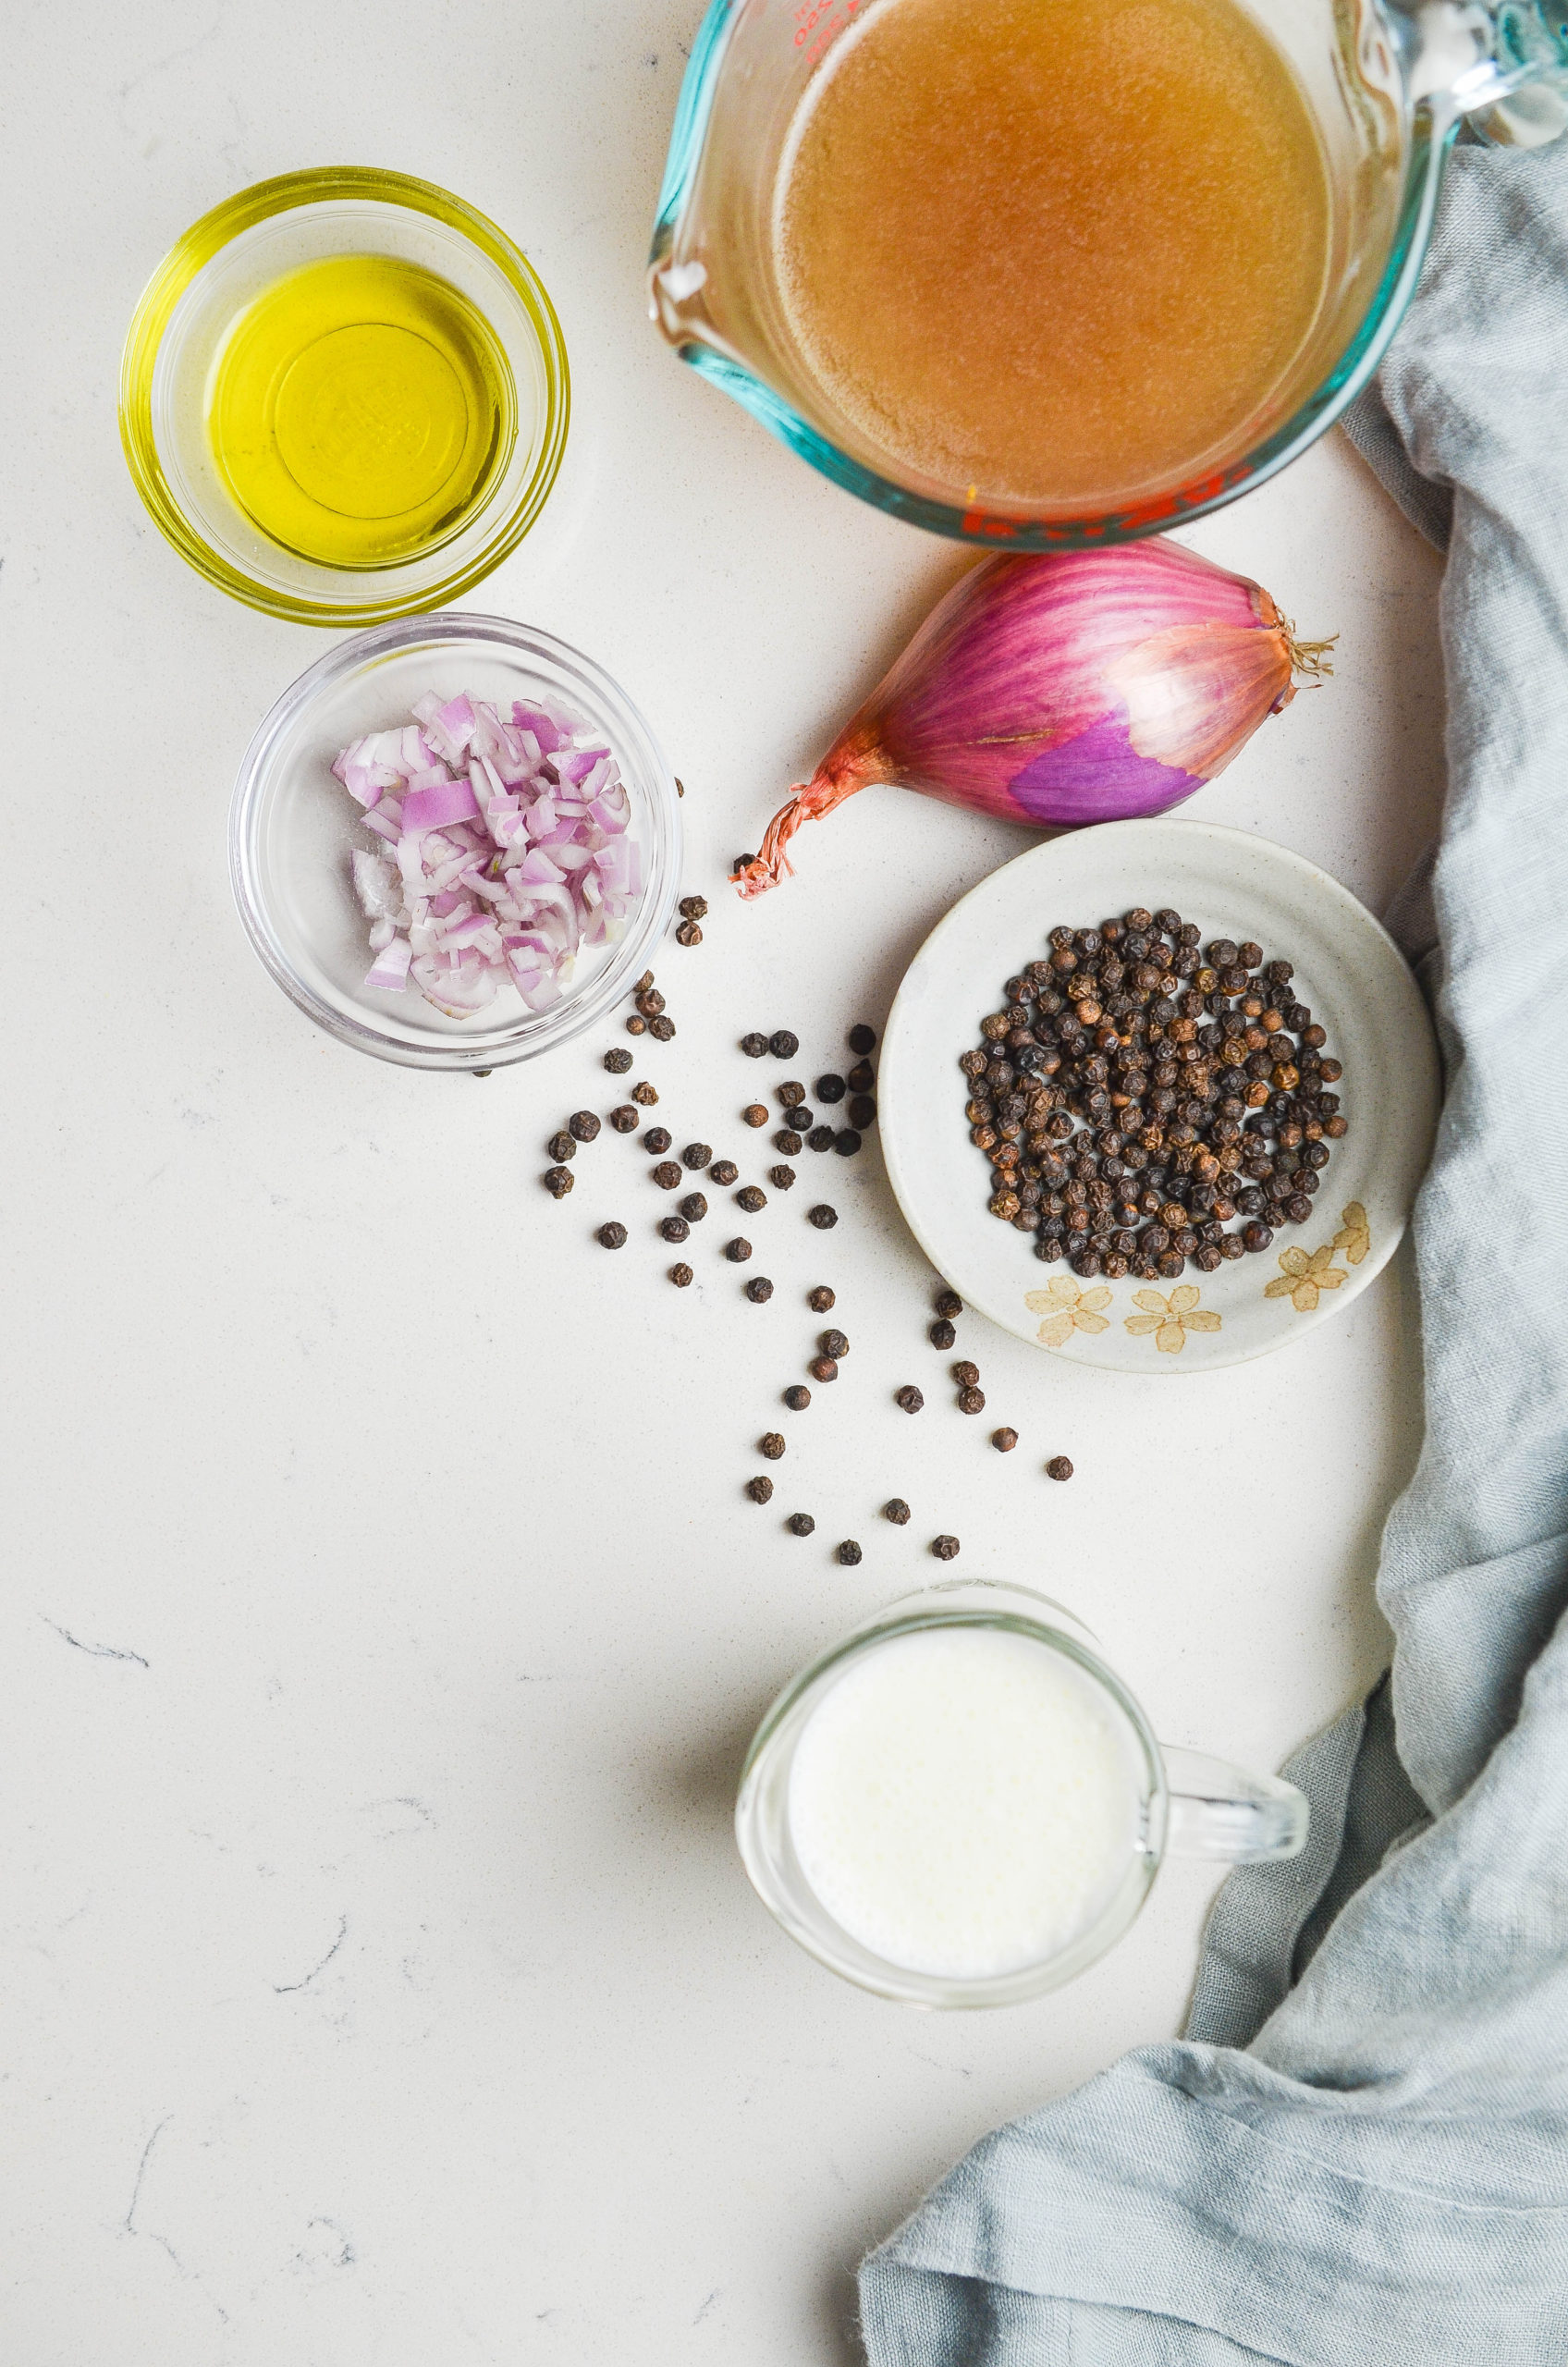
{"x": 1502, "y": 62}
{"x": 1215, "y": 1810}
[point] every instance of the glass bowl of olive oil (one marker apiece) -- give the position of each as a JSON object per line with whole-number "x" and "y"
{"x": 344, "y": 396}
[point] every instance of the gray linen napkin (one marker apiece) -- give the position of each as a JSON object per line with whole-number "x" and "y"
{"x": 1358, "y": 2156}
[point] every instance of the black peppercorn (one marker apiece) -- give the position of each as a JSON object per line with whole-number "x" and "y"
{"x": 896, "y": 1510}
{"x": 862, "y": 1038}
{"x": 694, "y": 908}
{"x": 557, "y": 1182}
{"x": 611, "y": 1236}
{"x": 796, "y": 1398}
{"x": 834, "y": 1344}
{"x": 848, "y": 1553}
{"x": 695, "y": 1207}
{"x": 945, "y": 1548}
{"x": 822, "y": 1217}
{"x": 821, "y": 1138}
{"x": 847, "y": 1142}
{"x": 750, "y": 1199}
{"x": 1059, "y": 1467}
{"x": 754, "y": 1114}
{"x": 790, "y": 1096}
{"x": 736, "y": 1251}
{"x": 562, "y": 1147}
{"x": 970, "y": 1401}
{"x": 753, "y": 1046}
{"x": 760, "y": 1490}
{"x": 949, "y": 1303}
{"x": 662, "y": 1027}
{"x": 759, "y": 1290}
{"x": 967, "y": 1375}
{"x": 910, "y": 1398}
{"x": 696, "y": 1155}
{"x": 666, "y": 1175}
{"x": 822, "y": 1300}
{"x": 636, "y": 1026}
{"x": 584, "y": 1126}
{"x": 782, "y": 1045}
{"x": 1004, "y": 1441}
{"x": 799, "y": 1524}
{"x": 771, "y": 1444}
{"x": 789, "y": 1142}
{"x": 822, "y": 1369}
{"x": 618, "y": 1059}
{"x": 681, "y": 1276}
{"x": 688, "y": 934}
{"x": 650, "y": 1002}
{"x": 645, "y": 1094}
{"x": 723, "y": 1173}
{"x": 863, "y": 1110}
{"x": 941, "y": 1334}
{"x": 675, "y": 1230}
{"x": 1257, "y": 1235}
{"x": 625, "y": 1119}
{"x": 862, "y": 1076}
{"x": 829, "y": 1088}
{"x": 655, "y": 1142}
{"x": 781, "y": 1178}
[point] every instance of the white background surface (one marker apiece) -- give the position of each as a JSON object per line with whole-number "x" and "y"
{"x": 383, "y": 1620}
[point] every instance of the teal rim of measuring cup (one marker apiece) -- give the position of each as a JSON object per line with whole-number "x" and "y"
{"x": 1430, "y": 145}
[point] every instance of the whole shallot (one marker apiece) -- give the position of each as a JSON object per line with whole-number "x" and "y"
{"x": 1064, "y": 688}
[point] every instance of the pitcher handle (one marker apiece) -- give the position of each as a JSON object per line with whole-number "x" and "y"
{"x": 1502, "y": 62}
{"x": 1215, "y": 1810}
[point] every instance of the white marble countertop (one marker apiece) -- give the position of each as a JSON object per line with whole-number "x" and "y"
{"x": 383, "y": 1621}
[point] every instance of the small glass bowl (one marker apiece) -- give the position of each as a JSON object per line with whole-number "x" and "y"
{"x": 221, "y": 264}
{"x": 292, "y": 829}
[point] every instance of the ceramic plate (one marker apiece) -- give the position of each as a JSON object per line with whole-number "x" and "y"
{"x": 1347, "y": 969}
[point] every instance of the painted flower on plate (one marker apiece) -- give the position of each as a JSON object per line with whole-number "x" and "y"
{"x": 1170, "y": 1319}
{"x": 1066, "y": 1309}
{"x": 1354, "y": 1236}
{"x": 1302, "y": 1273}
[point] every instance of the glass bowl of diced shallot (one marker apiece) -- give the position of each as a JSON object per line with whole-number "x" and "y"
{"x": 455, "y": 842}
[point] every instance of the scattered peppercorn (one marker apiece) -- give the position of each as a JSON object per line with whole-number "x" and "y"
{"x": 790, "y": 1094}
{"x": 829, "y": 1087}
{"x": 862, "y": 1077}
{"x": 681, "y": 1276}
{"x": 789, "y": 1142}
{"x": 970, "y": 1401}
{"x": 910, "y": 1398}
{"x": 847, "y": 1142}
{"x": 823, "y": 1217}
{"x": 759, "y": 1290}
{"x": 1131, "y": 1090}
{"x": 645, "y": 1093}
{"x": 611, "y": 1236}
{"x": 771, "y": 1444}
{"x": 625, "y": 1119}
{"x": 695, "y": 1207}
{"x": 941, "y": 1334}
{"x": 675, "y": 1230}
{"x": 558, "y": 1180}
{"x": 688, "y": 934}
{"x": 862, "y": 1038}
{"x": 799, "y": 1524}
{"x": 781, "y": 1178}
{"x": 822, "y": 1300}
{"x": 796, "y": 1398}
{"x": 754, "y": 1114}
{"x": 863, "y": 1110}
{"x": 666, "y": 1175}
{"x": 949, "y": 1303}
{"x": 850, "y": 1553}
{"x": 821, "y": 1138}
{"x": 896, "y": 1510}
{"x": 750, "y": 1199}
{"x": 753, "y": 1046}
{"x": 618, "y": 1059}
{"x": 655, "y": 1142}
{"x": 1004, "y": 1440}
{"x": 760, "y": 1490}
{"x": 696, "y": 1155}
{"x": 967, "y": 1375}
{"x": 736, "y": 1251}
{"x": 662, "y": 1027}
{"x": 945, "y": 1548}
{"x": 782, "y": 1045}
{"x": 822, "y": 1369}
{"x": 636, "y": 1026}
{"x": 584, "y": 1126}
{"x": 694, "y": 908}
{"x": 562, "y": 1147}
{"x": 723, "y": 1173}
{"x": 833, "y": 1343}
{"x": 1059, "y": 1467}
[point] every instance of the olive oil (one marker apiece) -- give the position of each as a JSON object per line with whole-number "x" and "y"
{"x": 1057, "y": 251}
{"x": 358, "y": 408}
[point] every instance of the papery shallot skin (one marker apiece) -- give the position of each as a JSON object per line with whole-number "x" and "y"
{"x": 1064, "y": 688}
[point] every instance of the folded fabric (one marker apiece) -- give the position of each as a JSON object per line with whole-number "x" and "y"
{"x": 1358, "y": 2154}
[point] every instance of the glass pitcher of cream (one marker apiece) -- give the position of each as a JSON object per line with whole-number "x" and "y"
{"x": 962, "y": 1805}
{"x": 1050, "y": 272}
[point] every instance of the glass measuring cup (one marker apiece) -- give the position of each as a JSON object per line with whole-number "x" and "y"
{"x": 1388, "y": 83}
{"x": 1175, "y": 1800}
